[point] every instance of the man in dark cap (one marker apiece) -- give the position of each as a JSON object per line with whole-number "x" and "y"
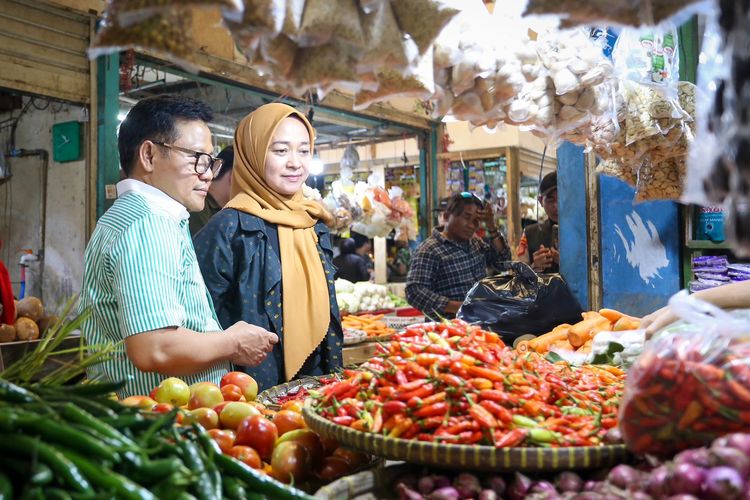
{"x": 538, "y": 246}
{"x": 218, "y": 193}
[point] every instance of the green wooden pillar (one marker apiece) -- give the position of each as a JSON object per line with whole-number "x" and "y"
{"x": 108, "y": 164}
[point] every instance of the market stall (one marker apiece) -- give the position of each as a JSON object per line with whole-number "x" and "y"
{"x": 527, "y": 394}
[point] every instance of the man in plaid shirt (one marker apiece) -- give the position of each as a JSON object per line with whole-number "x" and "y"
{"x": 452, "y": 260}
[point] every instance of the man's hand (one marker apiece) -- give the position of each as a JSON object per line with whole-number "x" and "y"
{"x": 658, "y": 320}
{"x": 453, "y": 307}
{"x": 488, "y": 217}
{"x": 253, "y": 343}
{"x": 542, "y": 259}
{"x": 555, "y": 255}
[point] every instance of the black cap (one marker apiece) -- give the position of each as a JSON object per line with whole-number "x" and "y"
{"x": 548, "y": 184}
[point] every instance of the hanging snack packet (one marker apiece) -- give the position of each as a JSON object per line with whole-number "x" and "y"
{"x": 167, "y": 33}
{"x": 136, "y": 11}
{"x": 326, "y": 19}
{"x": 423, "y": 20}
{"x": 383, "y": 41}
{"x": 649, "y": 56}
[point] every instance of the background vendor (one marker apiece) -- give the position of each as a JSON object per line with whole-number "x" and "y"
{"x": 453, "y": 259}
{"x": 538, "y": 246}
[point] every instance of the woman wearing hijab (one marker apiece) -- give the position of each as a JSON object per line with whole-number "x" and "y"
{"x": 267, "y": 256}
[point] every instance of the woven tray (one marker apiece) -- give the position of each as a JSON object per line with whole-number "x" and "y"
{"x": 468, "y": 457}
{"x": 270, "y": 395}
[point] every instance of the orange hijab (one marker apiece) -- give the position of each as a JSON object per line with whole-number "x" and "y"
{"x": 306, "y": 306}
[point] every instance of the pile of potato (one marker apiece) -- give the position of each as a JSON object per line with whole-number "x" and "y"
{"x": 30, "y": 322}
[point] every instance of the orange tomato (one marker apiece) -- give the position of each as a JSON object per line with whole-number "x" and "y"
{"x": 224, "y": 438}
{"x": 288, "y": 420}
{"x": 294, "y": 405}
{"x": 231, "y": 392}
{"x": 246, "y": 455}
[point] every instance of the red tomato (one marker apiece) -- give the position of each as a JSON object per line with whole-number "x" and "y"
{"x": 290, "y": 461}
{"x": 231, "y": 392}
{"x": 224, "y": 438}
{"x": 247, "y": 455}
{"x": 307, "y": 438}
{"x": 355, "y": 458}
{"x": 162, "y": 408}
{"x": 259, "y": 432}
{"x": 329, "y": 444}
{"x": 333, "y": 468}
{"x": 287, "y": 420}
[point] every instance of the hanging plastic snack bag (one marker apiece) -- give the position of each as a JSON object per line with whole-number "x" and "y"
{"x": 418, "y": 84}
{"x": 324, "y": 20}
{"x": 383, "y": 41}
{"x": 575, "y": 62}
{"x": 690, "y": 385}
{"x": 131, "y": 12}
{"x": 612, "y": 12}
{"x": 293, "y": 17}
{"x": 315, "y": 66}
{"x": 649, "y": 56}
{"x": 662, "y": 181}
{"x": 423, "y": 20}
{"x": 167, "y": 33}
{"x": 261, "y": 16}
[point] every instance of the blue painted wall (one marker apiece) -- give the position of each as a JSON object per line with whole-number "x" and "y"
{"x": 573, "y": 230}
{"x": 640, "y": 249}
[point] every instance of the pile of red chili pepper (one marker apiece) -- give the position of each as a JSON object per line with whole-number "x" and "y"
{"x": 684, "y": 391}
{"x": 453, "y": 382}
{"x": 301, "y": 393}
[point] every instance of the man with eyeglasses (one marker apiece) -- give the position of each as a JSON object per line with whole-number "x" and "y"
{"x": 538, "y": 245}
{"x": 141, "y": 279}
{"x": 453, "y": 259}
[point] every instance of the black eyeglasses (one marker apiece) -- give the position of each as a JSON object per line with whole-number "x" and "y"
{"x": 203, "y": 161}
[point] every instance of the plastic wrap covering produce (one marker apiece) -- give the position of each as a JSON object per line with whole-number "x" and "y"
{"x": 720, "y": 163}
{"x": 569, "y": 84}
{"x": 476, "y": 72}
{"x": 454, "y": 383}
{"x": 518, "y": 301}
{"x": 648, "y": 146}
{"x": 690, "y": 385}
{"x": 618, "y": 12}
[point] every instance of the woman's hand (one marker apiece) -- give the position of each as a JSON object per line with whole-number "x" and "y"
{"x": 658, "y": 320}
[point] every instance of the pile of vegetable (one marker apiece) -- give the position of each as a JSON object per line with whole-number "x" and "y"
{"x": 580, "y": 337}
{"x": 277, "y": 443}
{"x": 686, "y": 389}
{"x": 456, "y": 383}
{"x": 70, "y": 441}
{"x": 361, "y": 297}
{"x": 719, "y": 472}
{"x": 27, "y": 321}
{"x": 370, "y": 324}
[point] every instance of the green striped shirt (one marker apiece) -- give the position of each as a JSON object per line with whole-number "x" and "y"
{"x": 141, "y": 274}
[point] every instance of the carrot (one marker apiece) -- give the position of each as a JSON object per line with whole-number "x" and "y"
{"x": 587, "y": 346}
{"x": 626, "y": 323}
{"x": 581, "y": 332}
{"x": 611, "y": 314}
{"x": 542, "y": 343}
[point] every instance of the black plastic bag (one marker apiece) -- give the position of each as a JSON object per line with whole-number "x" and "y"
{"x": 518, "y": 301}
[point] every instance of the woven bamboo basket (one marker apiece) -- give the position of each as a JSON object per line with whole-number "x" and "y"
{"x": 468, "y": 457}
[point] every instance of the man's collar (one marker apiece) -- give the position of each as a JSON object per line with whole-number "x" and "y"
{"x": 155, "y": 197}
